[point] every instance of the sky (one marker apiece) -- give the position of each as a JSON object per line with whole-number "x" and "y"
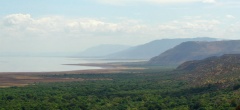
{"x": 75, "y": 25}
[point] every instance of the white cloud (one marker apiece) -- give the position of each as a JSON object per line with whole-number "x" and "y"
{"x": 180, "y": 1}
{"x": 122, "y": 2}
{"x": 230, "y": 16}
{"x": 17, "y": 19}
{"x": 233, "y": 30}
{"x": 171, "y": 1}
{"x": 188, "y": 28}
{"x": 67, "y": 33}
{"x": 25, "y": 25}
{"x": 209, "y": 1}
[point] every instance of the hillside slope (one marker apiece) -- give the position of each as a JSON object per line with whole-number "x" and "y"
{"x": 215, "y": 65}
{"x": 195, "y": 51}
{"x": 223, "y": 70}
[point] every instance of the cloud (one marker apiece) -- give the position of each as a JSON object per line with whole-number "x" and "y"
{"x": 228, "y": 3}
{"x": 57, "y": 33}
{"x": 233, "y": 29}
{"x": 209, "y": 1}
{"x": 170, "y": 1}
{"x": 230, "y": 16}
{"x": 92, "y": 25}
{"x": 25, "y": 25}
{"x": 180, "y": 1}
{"x": 16, "y": 19}
{"x": 122, "y": 2}
{"x": 188, "y": 28}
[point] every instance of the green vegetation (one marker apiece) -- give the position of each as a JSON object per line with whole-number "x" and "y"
{"x": 152, "y": 89}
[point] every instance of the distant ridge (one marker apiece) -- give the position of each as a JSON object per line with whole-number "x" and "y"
{"x": 102, "y": 50}
{"x": 195, "y": 50}
{"x": 153, "y": 48}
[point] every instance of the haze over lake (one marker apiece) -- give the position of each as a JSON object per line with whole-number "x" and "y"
{"x": 45, "y": 64}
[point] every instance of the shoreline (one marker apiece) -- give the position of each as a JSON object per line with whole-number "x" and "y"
{"x": 104, "y": 67}
{"x": 19, "y": 79}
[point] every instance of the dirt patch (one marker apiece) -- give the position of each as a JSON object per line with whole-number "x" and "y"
{"x": 8, "y": 79}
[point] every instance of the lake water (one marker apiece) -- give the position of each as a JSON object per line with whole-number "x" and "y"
{"x": 45, "y": 64}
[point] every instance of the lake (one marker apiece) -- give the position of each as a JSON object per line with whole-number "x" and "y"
{"x": 46, "y": 64}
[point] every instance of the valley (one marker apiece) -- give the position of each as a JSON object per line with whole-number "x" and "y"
{"x": 152, "y": 87}
{"x": 203, "y": 81}
{"x": 120, "y": 55}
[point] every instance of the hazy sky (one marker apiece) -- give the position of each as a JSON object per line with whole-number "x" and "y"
{"x": 74, "y": 25}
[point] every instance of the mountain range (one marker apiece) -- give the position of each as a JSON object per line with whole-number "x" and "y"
{"x": 195, "y": 50}
{"x": 102, "y": 50}
{"x": 153, "y": 48}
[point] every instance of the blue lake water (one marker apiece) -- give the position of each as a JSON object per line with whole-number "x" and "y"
{"x": 45, "y": 64}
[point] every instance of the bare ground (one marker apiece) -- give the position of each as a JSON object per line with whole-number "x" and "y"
{"x": 8, "y": 79}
